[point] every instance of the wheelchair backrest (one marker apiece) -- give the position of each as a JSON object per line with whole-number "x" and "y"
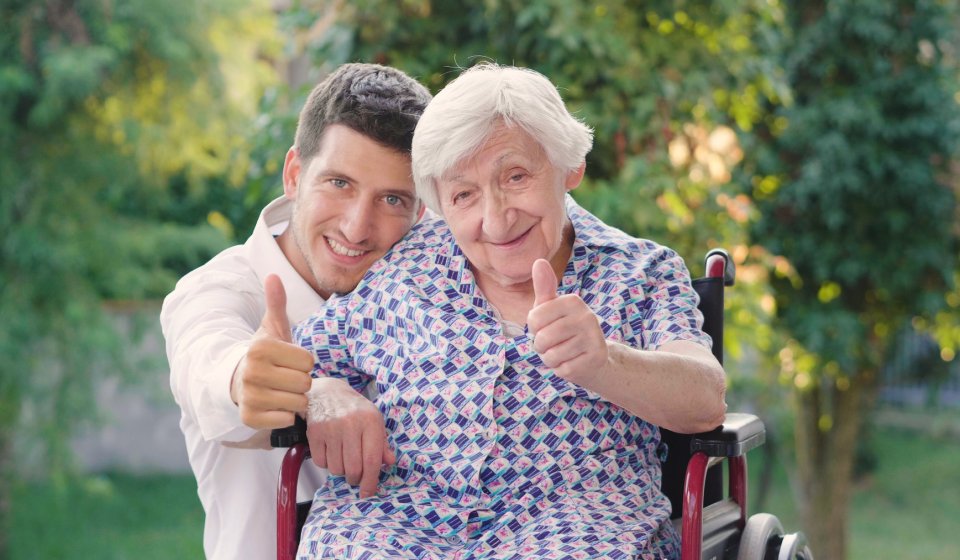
{"x": 710, "y": 290}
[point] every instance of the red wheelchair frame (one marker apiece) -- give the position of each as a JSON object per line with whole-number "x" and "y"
{"x": 711, "y": 526}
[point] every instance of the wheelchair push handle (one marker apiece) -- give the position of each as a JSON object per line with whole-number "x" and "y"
{"x": 291, "y": 435}
{"x": 720, "y": 265}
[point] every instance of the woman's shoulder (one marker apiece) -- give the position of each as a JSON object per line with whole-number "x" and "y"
{"x": 428, "y": 236}
{"x": 615, "y": 248}
{"x": 415, "y": 262}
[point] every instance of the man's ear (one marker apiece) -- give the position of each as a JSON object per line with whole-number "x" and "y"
{"x": 292, "y": 167}
{"x": 574, "y": 177}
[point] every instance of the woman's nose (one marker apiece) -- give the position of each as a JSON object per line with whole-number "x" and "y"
{"x": 497, "y": 215}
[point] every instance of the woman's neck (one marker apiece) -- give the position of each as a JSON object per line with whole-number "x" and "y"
{"x": 514, "y": 301}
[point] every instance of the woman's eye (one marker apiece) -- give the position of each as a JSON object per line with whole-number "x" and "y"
{"x": 517, "y": 176}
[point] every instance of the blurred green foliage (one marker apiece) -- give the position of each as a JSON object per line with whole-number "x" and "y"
{"x": 853, "y": 187}
{"x": 119, "y": 139}
{"x": 863, "y": 159}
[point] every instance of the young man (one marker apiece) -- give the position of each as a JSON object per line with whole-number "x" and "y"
{"x": 348, "y": 197}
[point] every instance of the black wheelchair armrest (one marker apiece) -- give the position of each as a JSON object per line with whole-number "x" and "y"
{"x": 738, "y": 434}
{"x": 291, "y": 435}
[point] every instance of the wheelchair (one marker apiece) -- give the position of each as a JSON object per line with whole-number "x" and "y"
{"x": 711, "y": 526}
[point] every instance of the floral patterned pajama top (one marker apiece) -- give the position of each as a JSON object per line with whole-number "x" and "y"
{"x": 497, "y": 456}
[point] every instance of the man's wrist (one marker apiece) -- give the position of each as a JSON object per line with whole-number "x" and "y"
{"x": 235, "y": 381}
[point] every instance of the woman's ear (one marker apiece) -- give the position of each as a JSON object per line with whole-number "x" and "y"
{"x": 292, "y": 167}
{"x": 574, "y": 177}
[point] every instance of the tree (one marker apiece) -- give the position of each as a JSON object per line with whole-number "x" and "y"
{"x": 115, "y": 132}
{"x": 849, "y": 183}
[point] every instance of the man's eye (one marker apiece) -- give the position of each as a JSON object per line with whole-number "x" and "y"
{"x": 339, "y": 183}
{"x": 393, "y": 200}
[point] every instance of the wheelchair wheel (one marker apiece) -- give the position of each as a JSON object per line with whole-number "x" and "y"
{"x": 761, "y": 538}
{"x": 794, "y": 547}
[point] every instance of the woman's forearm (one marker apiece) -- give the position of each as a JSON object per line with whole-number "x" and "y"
{"x": 679, "y": 386}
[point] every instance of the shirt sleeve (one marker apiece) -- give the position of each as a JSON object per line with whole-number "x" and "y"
{"x": 668, "y": 310}
{"x": 208, "y": 322}
{"x": 323, "y": 335}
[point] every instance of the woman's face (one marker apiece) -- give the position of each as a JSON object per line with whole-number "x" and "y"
{"x": 505, "y": 208}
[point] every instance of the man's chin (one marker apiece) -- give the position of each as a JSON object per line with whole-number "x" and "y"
{"x": 337, "y": 278}
{"x": 339, "y": 287}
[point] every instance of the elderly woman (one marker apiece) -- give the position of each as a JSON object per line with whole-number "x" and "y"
{"x": 524, "y": 353}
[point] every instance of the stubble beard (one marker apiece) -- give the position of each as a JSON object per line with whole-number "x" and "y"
{"x": 302, "y": 242}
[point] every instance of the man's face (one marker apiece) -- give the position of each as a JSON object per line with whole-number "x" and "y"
{"x": 352, "y": 202}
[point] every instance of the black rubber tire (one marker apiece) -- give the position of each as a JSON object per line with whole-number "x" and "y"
{"x": 761, "y": 528}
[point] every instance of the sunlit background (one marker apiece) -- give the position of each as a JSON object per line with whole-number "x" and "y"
{"x": 817, "y": 141}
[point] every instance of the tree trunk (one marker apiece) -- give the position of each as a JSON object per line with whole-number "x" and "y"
{"x": 828, "y": 424}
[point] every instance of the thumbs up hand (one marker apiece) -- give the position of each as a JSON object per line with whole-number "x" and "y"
{"x": 271, "y": 380}
{"x": 565, "y": 331}
{"x": 275, "y": 323}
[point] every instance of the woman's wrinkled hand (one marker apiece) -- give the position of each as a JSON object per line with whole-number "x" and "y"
{"x": 566, "y": 333}
{"x": 347, "y": 434}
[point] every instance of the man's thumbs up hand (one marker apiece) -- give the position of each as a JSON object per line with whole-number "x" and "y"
{"x": 272, "y": 379}
{"x": 564, "y": 330}
{"x": 275, "y": 323}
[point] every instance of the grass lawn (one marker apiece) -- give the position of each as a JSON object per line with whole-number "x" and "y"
{"x": 111, "y": 517}
{"x": 907, "y": 508}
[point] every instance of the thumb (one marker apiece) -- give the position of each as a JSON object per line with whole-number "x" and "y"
{"x": 544, "y": 282}
{"x": 275, "y": 322}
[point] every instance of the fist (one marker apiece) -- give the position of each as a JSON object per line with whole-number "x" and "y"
{"x": 272, "y": 379}
{"x": 566, "y": 333}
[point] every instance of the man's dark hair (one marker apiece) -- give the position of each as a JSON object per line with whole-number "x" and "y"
{"x": 377, "y": 101}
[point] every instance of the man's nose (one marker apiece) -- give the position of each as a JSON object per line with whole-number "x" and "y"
{"x": 357, "y": 222}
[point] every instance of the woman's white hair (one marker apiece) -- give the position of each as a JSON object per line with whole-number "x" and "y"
{"x": 461, "y": 117}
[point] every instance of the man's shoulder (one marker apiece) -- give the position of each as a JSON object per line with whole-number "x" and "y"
{"x": 230, "y": 268}
{"x": 227, "y": 277}
{"x": 225, "y": 284}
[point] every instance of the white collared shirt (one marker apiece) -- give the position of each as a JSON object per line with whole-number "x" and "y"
{"x": 208, "y": 321}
